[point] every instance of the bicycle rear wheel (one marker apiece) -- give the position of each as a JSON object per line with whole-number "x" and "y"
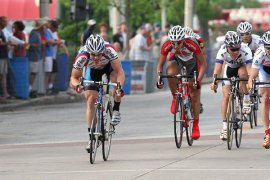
{"x": 107, "y": 131}
{"x": 230, "y": 118}
{"x": 178, "y": 121}
{"x": 94, "y": 138}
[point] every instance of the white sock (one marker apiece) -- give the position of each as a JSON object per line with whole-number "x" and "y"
{"x": 224, "y": 125}
{"x": 246, "y": 97}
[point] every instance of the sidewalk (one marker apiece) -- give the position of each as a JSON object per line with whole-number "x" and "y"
{"x": 68, "y": 96}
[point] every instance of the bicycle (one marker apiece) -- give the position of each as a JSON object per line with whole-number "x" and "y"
{"x": 101, "y": 130}
{"x": 234, "y": 115}
{"x": 183, "y": 112}
{"x": 255, "y": 99}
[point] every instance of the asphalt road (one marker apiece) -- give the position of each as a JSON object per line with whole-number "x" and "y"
{"x": 47, "y": 142}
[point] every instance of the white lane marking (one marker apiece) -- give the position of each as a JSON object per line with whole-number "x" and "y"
{"x": 135, "y": 170}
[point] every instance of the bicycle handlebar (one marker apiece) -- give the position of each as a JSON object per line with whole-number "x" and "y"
{"x": 83, "y": 82}
{"x": 180, "y": 77}
{"x": 232, "y": 80}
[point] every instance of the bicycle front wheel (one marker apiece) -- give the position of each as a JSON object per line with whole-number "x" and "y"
{"x": 178, "y": 121}
{"x": 239, "y": 124}
{"x": 93, "y": 137}
{"x": 230, "y": 118}
{"x": 107, "y": 131}
{"x": 189, "y": 129}
{"x": 255, "y": 110}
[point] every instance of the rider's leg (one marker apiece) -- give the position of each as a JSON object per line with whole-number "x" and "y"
{"x": 265, "y": 115}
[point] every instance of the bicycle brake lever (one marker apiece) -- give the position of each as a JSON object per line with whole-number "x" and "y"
{"x": 215, "y": 82}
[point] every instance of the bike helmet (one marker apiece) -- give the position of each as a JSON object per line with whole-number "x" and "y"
{"x": 188, "y": 31}
{"x": 95, "y": 44}
{"x": 176, "y": 33}
{"x": 244, "y": 27}
{"x": 232, "y": 39}
{"x": 266, "y": 38}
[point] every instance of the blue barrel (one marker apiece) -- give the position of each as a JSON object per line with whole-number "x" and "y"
{"x": 61, "y": 79}
{"x": 127, "y": 67}
{"x": 20, "y": 68}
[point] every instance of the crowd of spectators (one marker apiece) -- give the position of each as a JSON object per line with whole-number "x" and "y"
{"x": 41, "y": 45}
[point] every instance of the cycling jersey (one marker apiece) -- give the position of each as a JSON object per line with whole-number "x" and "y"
{"x": 185, "y": 53}
{"x": 244, "y": 57}
{"x": 83, "y": 58}
{"x": 261, "y": 61}
{"x": 254, "y": 43}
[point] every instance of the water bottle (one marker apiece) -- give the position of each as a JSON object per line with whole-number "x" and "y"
{"x": 187, "y": 107}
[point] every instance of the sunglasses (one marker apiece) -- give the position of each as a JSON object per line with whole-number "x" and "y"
{"x": 176, "y": 43}
{"x": 243, "y": 34}
{"x": 234, "y": 49}
{"x": 95, "y": 55}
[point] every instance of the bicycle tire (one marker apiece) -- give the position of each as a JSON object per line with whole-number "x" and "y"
{"x": 239, "y": 124}
{"x": 229, "y": 117}
{"x": 178, "y": 122}
{"x": 94, "y": 138}
{"x": 255, "y": 111}
{"x": 107, "y": 132}
{"x": 189, "y": 129}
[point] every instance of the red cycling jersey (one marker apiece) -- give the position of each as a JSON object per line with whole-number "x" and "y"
{"x": 186, "y": 52}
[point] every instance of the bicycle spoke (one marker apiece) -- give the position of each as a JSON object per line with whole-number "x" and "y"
{"x": 108, "y": 131}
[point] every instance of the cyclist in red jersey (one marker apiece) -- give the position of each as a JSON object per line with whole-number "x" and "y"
{"x": 189, "y": 33}
{"x": 183, "y": 51}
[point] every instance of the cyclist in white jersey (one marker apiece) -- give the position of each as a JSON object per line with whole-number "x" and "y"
{"x": 237, "y": 58}
{"x": 261, "y": 68}
{"x": 253, "y": 41}
{"x": 99, "y": 58}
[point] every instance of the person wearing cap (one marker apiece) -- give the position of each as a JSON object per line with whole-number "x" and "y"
{"x": 88, "y": 31}
{"x": 261, "y": 68}
{"x": 34, "y": 53}
{"x": 157, "y": 36}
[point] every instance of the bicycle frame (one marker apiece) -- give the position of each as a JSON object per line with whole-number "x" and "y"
{"x": 98, "y": 129}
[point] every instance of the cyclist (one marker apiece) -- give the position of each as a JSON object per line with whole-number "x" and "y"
{"x": 101, "y": 58}
{"x": 189, "y": 33}
{"x": 253, "y": 41}
{"x": 183, "y": 51}
{"x": 238, "y": 59}
{"x": 261, "y": 68}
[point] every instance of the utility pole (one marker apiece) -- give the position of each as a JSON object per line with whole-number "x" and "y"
{"x": 44, "y": 8}
{"x": 163, "y": 14}
{"x": 189, "y": 4}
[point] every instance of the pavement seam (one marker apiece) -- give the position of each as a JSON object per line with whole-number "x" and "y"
{"x": 192, "y": 155}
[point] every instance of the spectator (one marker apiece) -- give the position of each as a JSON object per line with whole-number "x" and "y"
{"x": 123, "y": 26}
{"x": 91, "y": 26}
{"x": 34, "y": 52}
{"x": 3, "y": 59}
{"x": 103, "y": 28}
{"x": 19, "y": 50}
{"x": 53, "y": 28}
{"x": 117, "y": 37}
{"x": 140, "y": 49}
{"x": 157, "y": 36}
{"x": 48, "y": 61}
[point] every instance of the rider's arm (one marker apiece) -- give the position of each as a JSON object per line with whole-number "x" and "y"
{"x": 74, "y": 78}
{"x": 200, "y": 58}
{"x": 117, "y": 67}
{"x": 253, "y": 75}
{"x": 161, "y": 62}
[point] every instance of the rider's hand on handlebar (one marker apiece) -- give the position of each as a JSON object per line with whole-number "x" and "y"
{"x": 78, "y": 88}
{"x": 159, "y": 83}
{"x": 214, "y": 86}
{"x": 197, "y": 85}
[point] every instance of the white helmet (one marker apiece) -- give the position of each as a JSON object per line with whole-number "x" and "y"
{"x": 176, "y": 33}
{"x": 266, "y": 38}
{"x": 95, "y": 44}
{"x": 244, "y": 27}
{"x": 189, "y": 31}
{"x": 232, "y": 39}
